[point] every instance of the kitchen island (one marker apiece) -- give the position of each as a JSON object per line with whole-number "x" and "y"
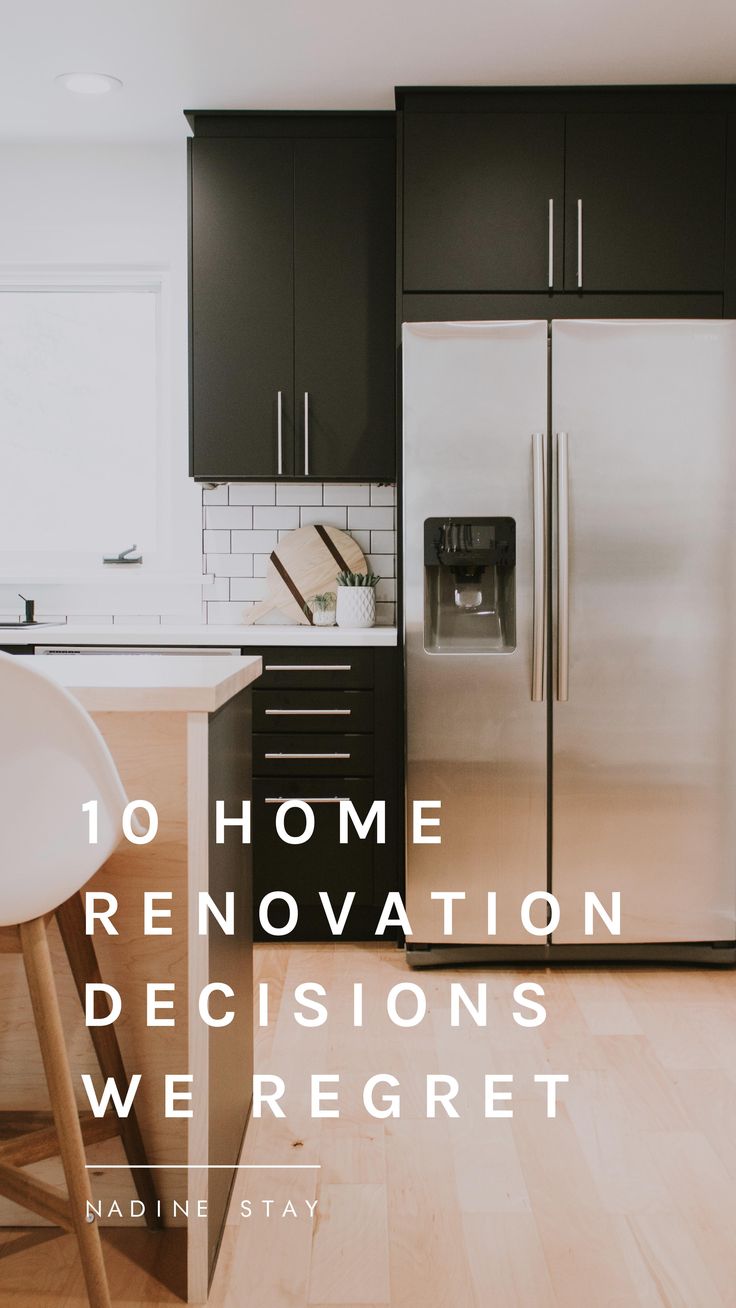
{"x": 179, "y": 730}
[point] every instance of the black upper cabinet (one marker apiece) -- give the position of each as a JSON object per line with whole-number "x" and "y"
{"x": 477, "y": 191}
{"x": 645, "y": 201}
{"x": 242, "y": 291}
{"x": 292, "y": 297}
{"x": 344, "y": 254}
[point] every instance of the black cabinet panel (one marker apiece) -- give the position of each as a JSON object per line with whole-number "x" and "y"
{"x": 322, "y": 863}
{"x": 241, "y": 306}
{"x": 652, "y": 187}
{"x": 312, "y": 710}
{"x": 477, "y": 188}
{"x": 344, "y": 257}
{"x": 289, "y": 754}
{"x": 486, "y": 308}
{"x": 316, "y": 668}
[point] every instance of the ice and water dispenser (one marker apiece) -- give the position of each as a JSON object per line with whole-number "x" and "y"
{"x": 469, "y": 585}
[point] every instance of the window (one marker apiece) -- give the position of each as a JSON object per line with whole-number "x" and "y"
{"x": 86, "y": 465}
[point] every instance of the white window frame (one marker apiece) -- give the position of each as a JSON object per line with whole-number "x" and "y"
{"x": 178, "y": 505}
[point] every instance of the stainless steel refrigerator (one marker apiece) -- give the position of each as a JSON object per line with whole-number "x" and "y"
{"x": 569, "y": 521}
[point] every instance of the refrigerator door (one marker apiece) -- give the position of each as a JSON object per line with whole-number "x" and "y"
{"x": 644, "y": 746}
{"x": 474, "y": 394}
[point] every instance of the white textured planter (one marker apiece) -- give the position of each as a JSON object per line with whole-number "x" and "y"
{"x": 356, "y": 606}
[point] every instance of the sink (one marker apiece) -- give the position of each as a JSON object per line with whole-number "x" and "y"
{"x": 12, "y": 626}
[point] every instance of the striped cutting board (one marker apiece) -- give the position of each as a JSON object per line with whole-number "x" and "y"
{"x": 305, "y": 563}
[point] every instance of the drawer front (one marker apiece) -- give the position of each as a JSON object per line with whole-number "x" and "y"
{"x": 317, "y": 668}
{"x": 312, "y": 754}
{"x": 322, "y": 863}
{"x": 312, "y": 710}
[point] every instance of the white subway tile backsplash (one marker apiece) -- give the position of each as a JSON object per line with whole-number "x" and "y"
{"x": 383, "y": 494}
{"x": 299, "y": 493}
{"x": 363, "y": 539}
{"x": 243, "y": 526}
{"x": 131, "y": 620}
{"x": 252, "y": 492}
{"x": 229, "y": 516}
{"x": 254, "y": 542}
{"x": 252, "y": 588}
{"x": 371, "y": 518}
{"x": 216, "y": 542}
{"x": 330, "y": 516}
{"x": 229, "y": 565}
{"x": 267, "y": 516}
{"x": 224, "y": 614}
{"x": 384, "y": 565}
{"x": 383, "y": 542}
{"x": 357, "y": 493}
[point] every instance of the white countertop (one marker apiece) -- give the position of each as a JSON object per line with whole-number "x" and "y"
{"x": 255, "y": 636}
{"x": 108, "y": 683}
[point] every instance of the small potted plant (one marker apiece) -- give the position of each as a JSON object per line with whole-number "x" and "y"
{"x": 356, "y": 599}
{"x": 322, "y": 608}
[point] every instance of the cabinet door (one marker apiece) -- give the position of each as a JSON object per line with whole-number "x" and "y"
{"x": 652, "y": 189}
{"x": 344, "y": 326}
{"x": 241, "y": 307}
{"x": 477, "y": 188}
{"x": 320, "y": 864}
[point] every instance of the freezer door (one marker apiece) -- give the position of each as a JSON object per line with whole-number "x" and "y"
{"x": 474, "y": 395}
{"x": 644, "y": 745}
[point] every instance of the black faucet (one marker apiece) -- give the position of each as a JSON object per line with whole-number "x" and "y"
{"x": 30, "y": 604}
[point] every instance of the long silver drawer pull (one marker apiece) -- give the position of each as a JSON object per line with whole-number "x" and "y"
{"x": 308, "y": 713}
{"x": 329, "y": 755}
{"x": 551, "y": 246}
{"x": 308, "y": 667}
{"x": 279, "y": 436}
{"x": 580, "y": 245}
{"x": 539, "y": 617}
{"x": 319, "y": 799}
{"x": 306, "y": 433}
{"x": 563, "y": 570}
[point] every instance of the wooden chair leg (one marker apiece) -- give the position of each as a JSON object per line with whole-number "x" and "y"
{"x": 84, "y": 966}
{"x": 45, "y": 1001}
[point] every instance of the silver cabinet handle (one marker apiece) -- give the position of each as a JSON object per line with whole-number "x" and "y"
{"x": 308, "y": 667}
{"x": 539, "y": 619}
{"x": 308, "y": 713}
{"x": 331, "y": 754}
{"x": 580, "y": 245}
{"x": 319, "y": 799}
{"x": 563, "y": 569}
{"x": 279, "y": 435}
{"x": 306, "y": 433}
{"x": 551, "y": 246}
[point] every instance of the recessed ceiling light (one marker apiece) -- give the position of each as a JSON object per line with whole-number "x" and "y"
{"x": 89, "y": 83}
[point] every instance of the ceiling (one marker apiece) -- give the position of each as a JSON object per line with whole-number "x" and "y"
{"x": 326, "y": 54}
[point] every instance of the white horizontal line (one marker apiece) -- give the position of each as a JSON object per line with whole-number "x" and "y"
{"x": 201, "y": 1167}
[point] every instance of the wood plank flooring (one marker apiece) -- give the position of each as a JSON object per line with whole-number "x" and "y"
{"x": 626, "y": 1198}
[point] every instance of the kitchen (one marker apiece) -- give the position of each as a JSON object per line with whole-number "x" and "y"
{"x": 443, "y": 310}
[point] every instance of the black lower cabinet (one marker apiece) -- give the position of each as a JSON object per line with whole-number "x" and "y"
{"x": 340, "y": 739}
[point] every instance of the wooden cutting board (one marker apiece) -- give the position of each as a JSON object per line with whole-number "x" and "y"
{"x": 304, "y": 564}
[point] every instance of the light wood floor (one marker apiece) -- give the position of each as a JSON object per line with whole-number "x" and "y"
{"x": 627, "y": 1198}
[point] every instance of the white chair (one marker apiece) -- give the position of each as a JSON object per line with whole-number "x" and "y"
{"x": 53, "y": 759}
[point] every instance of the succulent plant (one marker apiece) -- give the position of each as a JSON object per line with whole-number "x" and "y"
{"x": 357, "y": 579}
{"x": 322, "y": 602}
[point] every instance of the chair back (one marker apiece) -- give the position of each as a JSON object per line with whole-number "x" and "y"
{"x": 53, "y": 759}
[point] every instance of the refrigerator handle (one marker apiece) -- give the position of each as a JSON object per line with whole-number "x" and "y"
{"x": 563, "y": 569}
{"x": 539, "y": 620}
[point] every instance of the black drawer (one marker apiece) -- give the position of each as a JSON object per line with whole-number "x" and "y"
{"x": 316, "y": 668}
{"x": 312, "y": 755}
{"x": 321, "y": 863}
{"x": 312, "y": 710}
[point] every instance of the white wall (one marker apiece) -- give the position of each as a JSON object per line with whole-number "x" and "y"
{"x": 125, "y": 206}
